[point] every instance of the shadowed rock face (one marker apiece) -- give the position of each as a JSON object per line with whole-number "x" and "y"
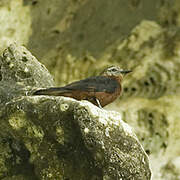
{"x": 56, "y": 137}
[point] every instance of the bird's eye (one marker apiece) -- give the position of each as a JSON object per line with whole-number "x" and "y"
{"x": 114, "y": 70}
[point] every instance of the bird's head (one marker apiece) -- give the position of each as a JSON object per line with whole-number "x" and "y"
{"x": 115, "y": 71}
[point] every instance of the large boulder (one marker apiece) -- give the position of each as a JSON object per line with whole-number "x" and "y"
{"x": 44, "y": 137}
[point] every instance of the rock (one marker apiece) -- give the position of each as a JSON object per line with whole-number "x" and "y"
{"x": 44, "y": 137}
{"x": 20, "y": 71}
{"x": 112, "y": 143}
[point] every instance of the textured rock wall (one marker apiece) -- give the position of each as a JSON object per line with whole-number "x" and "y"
{"x": 15, "y": 23}
{"x": 151, "y": 94}
{"x": 141, "y": 35}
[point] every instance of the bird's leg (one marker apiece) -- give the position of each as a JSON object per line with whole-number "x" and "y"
{"x": 99, "y": 104}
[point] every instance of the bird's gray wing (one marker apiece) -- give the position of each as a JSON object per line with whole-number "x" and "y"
{"x": 94, "y": 84}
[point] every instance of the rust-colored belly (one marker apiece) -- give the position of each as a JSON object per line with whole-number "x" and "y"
{"x": 106, "y": 98}
{"x": 103, "y": 97}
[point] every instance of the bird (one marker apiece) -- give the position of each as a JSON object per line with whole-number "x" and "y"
{"x": 100, "y": 90}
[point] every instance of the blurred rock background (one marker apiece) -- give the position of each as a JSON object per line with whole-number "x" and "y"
{"x": 78, "y": 38}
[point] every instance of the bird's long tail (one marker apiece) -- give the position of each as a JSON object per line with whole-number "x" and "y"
{"x": 51, "y": 91}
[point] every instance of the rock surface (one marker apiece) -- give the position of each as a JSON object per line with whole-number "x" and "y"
{"x": 45, "y": 137}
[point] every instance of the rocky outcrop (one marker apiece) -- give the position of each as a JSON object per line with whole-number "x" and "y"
{"x": 45, "y": 137}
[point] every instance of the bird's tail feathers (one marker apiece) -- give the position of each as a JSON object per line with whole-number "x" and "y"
{"x": 51, "y": 91}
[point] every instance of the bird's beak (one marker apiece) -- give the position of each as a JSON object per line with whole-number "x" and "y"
{"x": 125, "y": 71}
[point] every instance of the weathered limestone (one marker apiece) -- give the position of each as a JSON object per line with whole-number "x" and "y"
{"x": 45, "y": 137}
